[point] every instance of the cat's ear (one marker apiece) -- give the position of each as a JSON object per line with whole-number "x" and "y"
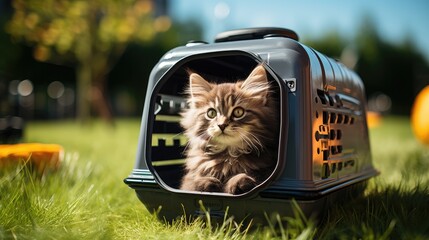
{"x": 256, "y": 84}
{"x": 198, "y": 86}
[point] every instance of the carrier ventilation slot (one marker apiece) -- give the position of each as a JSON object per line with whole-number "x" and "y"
{"x": 330, "y": 168}
{"x": 336, "y": 118}
{"x": 340, "y": 101}
{"x": 322, "y": 96}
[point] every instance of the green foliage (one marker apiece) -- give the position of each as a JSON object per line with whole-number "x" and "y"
{"x": 86, "y": 198}
{"x": 66, "y": 28}
{"x": 382, "y": 65}
{"x": 89, "y": 35}
{"x": 331, "y": 44}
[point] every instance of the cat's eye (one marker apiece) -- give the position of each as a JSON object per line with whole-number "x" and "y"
{"x": 238, "y": 112}
{"x": 211, "y": 113}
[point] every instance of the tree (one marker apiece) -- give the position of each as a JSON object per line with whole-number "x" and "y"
{"x": 90, "y": 35}
{"x": 331, "y": 43}
{"x": 395, "y": 69}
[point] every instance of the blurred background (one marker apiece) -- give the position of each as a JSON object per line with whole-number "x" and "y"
{"x": 67, "y": 59}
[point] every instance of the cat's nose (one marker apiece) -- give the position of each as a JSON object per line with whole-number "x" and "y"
{"x": 222, "y": 126}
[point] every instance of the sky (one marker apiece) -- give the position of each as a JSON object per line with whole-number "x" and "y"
{"x": 394, "y": 19}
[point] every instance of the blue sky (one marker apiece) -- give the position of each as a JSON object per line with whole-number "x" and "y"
{"x": 394, "y": 19}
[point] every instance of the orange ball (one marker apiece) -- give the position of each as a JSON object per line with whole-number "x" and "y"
{"x": 420, "y": 116}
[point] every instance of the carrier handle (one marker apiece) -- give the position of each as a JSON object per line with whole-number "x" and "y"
{"x": 255, "y": 33}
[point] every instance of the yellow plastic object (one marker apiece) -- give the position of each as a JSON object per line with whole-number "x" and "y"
{"x": 420, "y": 116}
{"x": 40, "y": 156}
{"x": 373, "y": 119}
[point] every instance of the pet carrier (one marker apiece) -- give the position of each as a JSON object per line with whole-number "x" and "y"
{"x": 323, "y": 149}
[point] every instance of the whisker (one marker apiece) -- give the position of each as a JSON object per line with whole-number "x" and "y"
{"x": 256, "y": 139}
{"x": 244, "y": 135}
{"x": 244, "y": 138}
{"x": 180, "y": 133}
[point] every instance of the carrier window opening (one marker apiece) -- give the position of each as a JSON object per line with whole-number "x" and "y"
{"x": 168, "y": 143}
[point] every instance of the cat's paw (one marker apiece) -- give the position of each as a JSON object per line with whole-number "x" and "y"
{"x": 240, "y": 183}
{"x": 208, "y": 184}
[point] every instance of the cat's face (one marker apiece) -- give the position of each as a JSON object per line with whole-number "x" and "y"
{"x": 229, "y": 114}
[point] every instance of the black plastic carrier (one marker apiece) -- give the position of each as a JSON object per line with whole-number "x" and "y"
{"x": 323, "y": 149}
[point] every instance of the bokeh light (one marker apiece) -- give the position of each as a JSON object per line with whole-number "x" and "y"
{"x": 221, "y": 10}
{"x": 13, "y": 87}
{"x": 162, "y": 24}
{"x": 67, "y": 98}
{"x": 380, "y": 102}
{"x": 55, "y": 89}
{"x": 25, "y": 88}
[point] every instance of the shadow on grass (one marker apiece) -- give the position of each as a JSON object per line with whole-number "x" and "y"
{"x": 392, "y": 212}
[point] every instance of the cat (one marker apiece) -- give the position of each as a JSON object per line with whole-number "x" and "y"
{"x": 233, "y": 134}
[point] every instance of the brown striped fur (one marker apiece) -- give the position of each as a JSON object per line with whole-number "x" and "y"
{"x": 229, "y": 152}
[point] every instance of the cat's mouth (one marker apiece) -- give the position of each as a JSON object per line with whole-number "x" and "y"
{"x": 226, "y": 139}
{"x": 222, "y": 134}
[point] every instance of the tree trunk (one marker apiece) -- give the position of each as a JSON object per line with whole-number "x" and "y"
{"x": 100, "y": 100}
{"x": 100, "y": 96}
{"x": 83, "y": 74}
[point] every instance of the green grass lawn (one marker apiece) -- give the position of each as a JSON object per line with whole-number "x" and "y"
{"x": 87, "y": 199}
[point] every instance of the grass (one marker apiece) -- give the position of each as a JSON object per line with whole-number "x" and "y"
{"x": 86, "y": 198}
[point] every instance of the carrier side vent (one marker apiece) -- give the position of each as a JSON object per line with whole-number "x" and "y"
{"x": 339, "y": 101}
{"x": 336, "y": 113}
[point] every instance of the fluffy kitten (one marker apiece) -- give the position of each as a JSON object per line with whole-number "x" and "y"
{"x": 233, "y": 134}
